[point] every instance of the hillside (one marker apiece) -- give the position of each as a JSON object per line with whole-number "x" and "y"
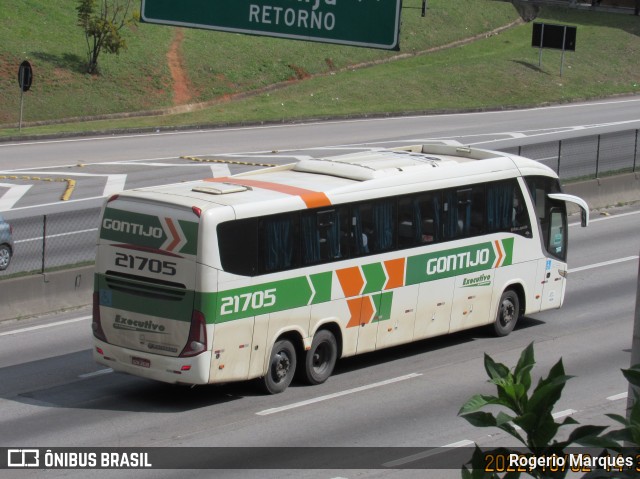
{"x": 312, "y": 80}
{"x": 213, "y": 64}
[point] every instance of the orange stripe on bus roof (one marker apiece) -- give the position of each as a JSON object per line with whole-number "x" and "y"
{"x": 313, "y": 199}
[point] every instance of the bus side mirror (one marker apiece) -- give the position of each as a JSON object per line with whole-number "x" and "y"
{"x": 584, "y": 208}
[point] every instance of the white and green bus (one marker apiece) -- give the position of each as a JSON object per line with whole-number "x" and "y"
{"x": 284, "y": 270}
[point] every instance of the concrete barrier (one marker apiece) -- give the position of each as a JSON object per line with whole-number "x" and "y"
{"x": 38, "y": 294}
{"x": 44, "y": 293}
{"x": 608, "y": 191}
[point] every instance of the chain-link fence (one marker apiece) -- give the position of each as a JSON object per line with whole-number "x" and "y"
{"x": 61, "y": 240}
{"x": 49, "y": 242}
{"x": 586, "y": 157}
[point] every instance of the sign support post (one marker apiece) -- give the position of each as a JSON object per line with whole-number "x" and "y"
{"x": 564, "y": 42}
{"x": 541, "y": 43}
{"x": 25, "y": 77}
{"x": 560, "y": 37}
{"x": 21, "y": 106}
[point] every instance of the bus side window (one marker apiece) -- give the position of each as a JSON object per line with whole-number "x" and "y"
{"x": 520, "y": 221}
{"x": 506, "y": 210}
{"x": 463, "y": 212}
{"x": 382, "y": 234}
{"x": 407, "y": 222}
{"x": 478, "y": 208}
{"x": 418, "y": 220}
{"x": 322, "y": 236}
{"x": 428, "y": 214}
{"x": 539, "y": 187}
{"x": 373, "y": 227}
{"x": 359, "y": 240}
{"x": 277, "y": 241}
{"x": 557, "y": 237}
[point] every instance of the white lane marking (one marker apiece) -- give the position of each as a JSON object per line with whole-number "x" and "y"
{"x": 38, "y": 238}
{"x": 429, "y": 453}
{"x": 463, "y": 443}
{"x": 616, "y": 397}
{"x": 114, "y": 183}
{"x": 555, "y": 415}
{"x": 57, "y": 203}
{"x": 220, "y": 170}
{"x": 604, "y": 263}
{"x": 556, "y": 131}
{"x": 566, "y": 412}
{"x": 136, "y": 163}
{"x": 43, "y": 326}
{"x": 13, "y": 195}
{"x": 604, "y": 218}
{"x": 336, "y": 122}
{"x": 101, "y": 372}
{"x": 275, "y": 410}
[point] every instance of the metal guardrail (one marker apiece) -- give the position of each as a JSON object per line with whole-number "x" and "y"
{"x": 586, "y": 157}
{"x": 49, "y": 242}
{"x": 62, "y": 240}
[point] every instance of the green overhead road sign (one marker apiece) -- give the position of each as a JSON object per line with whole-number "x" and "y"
{"x": 361, "y": 23}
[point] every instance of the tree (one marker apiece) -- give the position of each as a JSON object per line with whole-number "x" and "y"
{"x": 102, "y": 22}
{"x": 528, "y": 12}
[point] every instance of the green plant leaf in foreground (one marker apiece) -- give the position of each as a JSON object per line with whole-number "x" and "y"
{"x": 533, "y": 424}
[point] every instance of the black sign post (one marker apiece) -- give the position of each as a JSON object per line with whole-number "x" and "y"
{"x": 560, "y": 37}
{"x": 25, "y": 77}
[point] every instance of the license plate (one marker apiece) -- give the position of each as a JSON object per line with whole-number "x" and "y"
{"x": 145, "y": 363}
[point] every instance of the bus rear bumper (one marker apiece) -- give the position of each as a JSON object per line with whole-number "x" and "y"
{"x": 167, "y": 369}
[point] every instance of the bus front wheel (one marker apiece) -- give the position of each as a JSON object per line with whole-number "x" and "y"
{"x": 321, "y": 358}
{"x": 282, "y": 366}
{"x": 508, "y": 312}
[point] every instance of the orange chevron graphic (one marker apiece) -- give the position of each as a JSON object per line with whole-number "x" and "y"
{"x": 395, "y": 273}
{"x": 500, "y": 254}
{"x": 361, "y": 310}
{"x": 174, "y": 233}
{"x": 351, "y": 281}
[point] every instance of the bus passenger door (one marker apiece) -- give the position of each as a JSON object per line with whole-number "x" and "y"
{"x": 396, "y": 315}
{"x": 364, "y": 312}
{"x": 472, "y": 300}
{"x": 433, "y": 315}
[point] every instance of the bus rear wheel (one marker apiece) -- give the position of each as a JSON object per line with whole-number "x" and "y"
{"x": 321, "y": 358}
{"x": 282, "y": 367}
{"x": 508, "y": 313}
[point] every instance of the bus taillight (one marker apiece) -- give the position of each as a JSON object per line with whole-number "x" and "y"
{"x": 197, "y": 341}
{"x": 96, "y": 326}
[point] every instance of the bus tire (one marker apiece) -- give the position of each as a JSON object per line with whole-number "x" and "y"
{"x": 507, "y": 314}
{"x": 321, "y": 358}
{"x": 282, "y": 367}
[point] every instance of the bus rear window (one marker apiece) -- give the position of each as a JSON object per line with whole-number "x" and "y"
{"x": 238, "y": 243}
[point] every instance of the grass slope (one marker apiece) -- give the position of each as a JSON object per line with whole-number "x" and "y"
{"x": 498, "y": 71}
{"x": 216, "y": 63}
